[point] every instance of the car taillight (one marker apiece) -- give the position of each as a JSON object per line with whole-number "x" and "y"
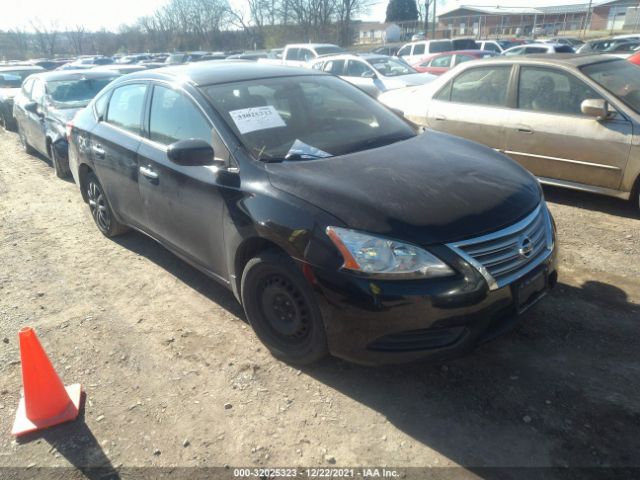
{"x": 69, "y": 129}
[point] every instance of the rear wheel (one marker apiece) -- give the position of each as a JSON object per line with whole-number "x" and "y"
{"x": 281, "y": 308}
{"x": 60, "y": 167}
{"x": 101, "y": 210}
{"x": 24, "y": 142}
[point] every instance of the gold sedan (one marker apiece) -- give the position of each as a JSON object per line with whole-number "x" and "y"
{"x": 573, "y": 121}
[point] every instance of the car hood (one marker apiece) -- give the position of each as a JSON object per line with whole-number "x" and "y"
{"x": 434, "y": 188}
{"x": 410, "y": 80}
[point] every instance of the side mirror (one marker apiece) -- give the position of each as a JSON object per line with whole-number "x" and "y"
{"x": 31, "y": 107}
{"x": 369, "y": 74}
{"x": 191, "y": 153}
{"x": 596, "y": 107}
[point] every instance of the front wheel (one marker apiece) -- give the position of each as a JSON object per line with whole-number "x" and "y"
{"x": 281, "y": 308}
{"x": 101, "y": 210}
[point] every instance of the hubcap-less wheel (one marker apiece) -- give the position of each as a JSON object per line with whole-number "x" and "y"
{"x": 98, "y": 206}
{"x": 284, "y": 308}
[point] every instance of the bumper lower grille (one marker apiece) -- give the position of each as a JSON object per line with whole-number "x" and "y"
{"x": 506, "y": 255}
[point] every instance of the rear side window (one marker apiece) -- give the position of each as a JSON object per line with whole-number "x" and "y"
{"x": 125, "y": 107}
{"x": 418, "y": 49}
{"x": 482, "y": 86}
{"x": 444, "y": 61}
{"x": 463, "y": 58}
{"x": 174, "y": 117}
{"x": 334, "y": 66}
{"x": 358, "y": 69}
{"x": 564, "y": 49}
{"x": 442, "y": 46}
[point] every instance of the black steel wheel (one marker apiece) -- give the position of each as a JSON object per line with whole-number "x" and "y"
{"x": 100, "y": 209}
{"x": 281, "y": 308}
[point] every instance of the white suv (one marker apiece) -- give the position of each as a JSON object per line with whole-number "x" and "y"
{"x": 414, "y": 51}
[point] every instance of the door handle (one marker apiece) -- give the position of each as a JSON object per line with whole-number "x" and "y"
{"x": 440, "y": 118}
{"x": 524, "y": 129}
{"x": 149, "y": 173}
{"x": 98, "y": 151}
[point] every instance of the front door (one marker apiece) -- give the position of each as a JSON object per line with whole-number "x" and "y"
{"x": 184, "y": 205}
{"x": 550, "y": 136}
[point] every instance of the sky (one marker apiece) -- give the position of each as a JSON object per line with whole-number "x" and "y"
{"x": 109, "y": 14}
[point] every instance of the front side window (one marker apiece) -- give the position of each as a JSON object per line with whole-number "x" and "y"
{"x": 620, "y": 78}
{"x": 552, "y": 91}
{"x": 305, "y": 55}
{"x": 529, "y": 50}
{"x": 335, "y": 67}
{"x": 418, "y": 49}
{"x": 443, "y": 62}
{"x": 358, "y": 69}
{"x": 304, "y": 117}
{"x": 406, "y": 50}
{"x": 37, "y": 94}
{"x": 125, "y": 107}
{"x": 441, "y": 46}
{"x": 482, "y": 86}
{"x": 492, "y": 47}
{"x": 27, "y": 86}
{"x": 174, "y": 117}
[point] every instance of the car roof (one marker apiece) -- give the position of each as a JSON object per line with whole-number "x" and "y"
{"x": 215, "y": 72}
{"x": 60, "y": 75}
{"x": 562, "y": 59}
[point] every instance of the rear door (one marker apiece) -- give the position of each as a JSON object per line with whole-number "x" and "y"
{"x": 473, "y": 105}
{"x": 184, "y": 205}
{"x": 550, "y": 136}
{"x": 114, "y": 149}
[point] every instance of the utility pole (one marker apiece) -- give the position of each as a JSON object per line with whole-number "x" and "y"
{"x": 587, "y": 19}
{"x": 433, "y": 31}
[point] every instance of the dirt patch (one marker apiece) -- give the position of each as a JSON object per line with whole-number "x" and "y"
{"x": 175, "y": 377}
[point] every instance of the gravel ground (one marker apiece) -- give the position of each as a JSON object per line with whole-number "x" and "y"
{"x": 175, "y": 377}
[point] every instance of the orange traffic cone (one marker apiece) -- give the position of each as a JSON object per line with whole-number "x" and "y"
{"x": 46, "y": 401}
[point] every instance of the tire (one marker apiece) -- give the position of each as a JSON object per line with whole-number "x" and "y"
{"x": 24, "y": 142}
{"x": 282, "y": 310}
{"x": 101, "y": 210}
{"x": 60, "y": 167}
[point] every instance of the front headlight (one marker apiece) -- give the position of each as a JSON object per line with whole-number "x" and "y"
{"x": 385, "y": 258}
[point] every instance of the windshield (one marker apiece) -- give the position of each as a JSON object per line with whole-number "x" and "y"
{"x": 391, "y": 67}
{"x": 76, "y": 93}
{"x": 14, "y": 79}
{"x": 328, "y": 50}
{"x": 295, "y": 118}
{"x": 619, "y": 77}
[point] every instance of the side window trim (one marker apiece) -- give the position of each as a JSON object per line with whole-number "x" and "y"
{"x": 214, "y": 127}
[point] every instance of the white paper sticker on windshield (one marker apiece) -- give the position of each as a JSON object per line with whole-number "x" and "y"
{"x": 257, "y": 118}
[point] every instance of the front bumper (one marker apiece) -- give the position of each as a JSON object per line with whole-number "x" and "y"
{"x": 376, "y": 322}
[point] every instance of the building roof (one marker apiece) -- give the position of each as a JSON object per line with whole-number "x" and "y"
{"x": 559, "y": 8}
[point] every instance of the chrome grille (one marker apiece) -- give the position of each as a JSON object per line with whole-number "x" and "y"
{"x": 506, "y": 255}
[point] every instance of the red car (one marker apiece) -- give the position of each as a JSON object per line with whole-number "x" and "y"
{"x": 443, "y": 62}
{"x": 635, "y": 58}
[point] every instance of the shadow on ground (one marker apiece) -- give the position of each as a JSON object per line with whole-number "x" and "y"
{"x": 77, "y": 444}
{"x": 559, "y": 390}
{"x": 591, "y": 201}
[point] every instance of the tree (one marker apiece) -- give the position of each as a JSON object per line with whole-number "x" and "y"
{"x": 402, "y": 11}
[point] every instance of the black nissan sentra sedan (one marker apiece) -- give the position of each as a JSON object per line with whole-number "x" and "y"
{"x": 44, "y": 105}
{"x": 337, "y": 226}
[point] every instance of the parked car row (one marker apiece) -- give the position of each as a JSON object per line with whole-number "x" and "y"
{"x": 262, "y": 176}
